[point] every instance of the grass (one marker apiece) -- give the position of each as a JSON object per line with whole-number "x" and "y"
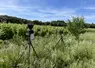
{"x": 89, "y": 35}
{"x": 91, "y": 30}
{"x": 51, "y": 55}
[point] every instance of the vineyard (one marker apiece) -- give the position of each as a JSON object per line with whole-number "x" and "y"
{"x": 52, "y": 53}
{"x": 9, "y": 30}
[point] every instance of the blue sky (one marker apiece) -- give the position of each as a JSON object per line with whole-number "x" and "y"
{"x": 48, "y": 10}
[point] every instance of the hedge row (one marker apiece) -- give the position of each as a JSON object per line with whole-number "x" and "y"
{"x": 7, "y": 31}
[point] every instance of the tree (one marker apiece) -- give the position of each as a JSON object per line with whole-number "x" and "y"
{"x": 58, "y": 23}
{"x": 11, "y": 19}
{"x": 76, "y": 26}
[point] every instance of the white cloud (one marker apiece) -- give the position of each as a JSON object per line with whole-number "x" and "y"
{"x": 90, "y": 8}
{"x": 58, "y": 12}
{"x": 8, "y": 5}
{"x": 90, "y": 17}
{"x": 12, "y": 7}
{"x": 5, "y": 3}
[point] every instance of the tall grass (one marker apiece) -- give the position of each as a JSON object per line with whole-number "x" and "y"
{"x": 70, "y": 55}
{"x": 52, "y": 52}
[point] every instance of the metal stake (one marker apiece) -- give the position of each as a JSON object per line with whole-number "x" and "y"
{"x": 29, "y": 49}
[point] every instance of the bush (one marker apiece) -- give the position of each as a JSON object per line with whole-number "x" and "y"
{"x": 76, "y": 26}
{"x": 6, "y": 32}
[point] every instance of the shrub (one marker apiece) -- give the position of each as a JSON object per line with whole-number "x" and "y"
{"x": 76, "y": 26}
{"x": 6, "y": 33}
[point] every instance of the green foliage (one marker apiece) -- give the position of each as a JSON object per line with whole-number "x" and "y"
{"x": 11, "y": 19}
{"x": 74, "y": 55}
{"x": 58, "y": 23}
{"x": 7, "y": 31}
{"x": 69, "y": 55}
{"x": 76, "y": 26}
{"x": 91, "y": 25}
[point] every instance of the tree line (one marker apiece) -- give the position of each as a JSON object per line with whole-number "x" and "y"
{"x": 11, "y": 19}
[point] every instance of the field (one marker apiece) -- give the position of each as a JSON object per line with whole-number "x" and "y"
{"x": 52, "y": 53}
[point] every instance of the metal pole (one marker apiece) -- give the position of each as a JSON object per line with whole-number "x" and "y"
{"x": 34, "y": 51}
{"x": 29, "y": 49}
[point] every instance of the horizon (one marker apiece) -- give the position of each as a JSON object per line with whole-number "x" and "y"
{"x": 48, "y": 10}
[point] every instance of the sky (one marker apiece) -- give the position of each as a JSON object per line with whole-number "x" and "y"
{"x": 48, "y": 10}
